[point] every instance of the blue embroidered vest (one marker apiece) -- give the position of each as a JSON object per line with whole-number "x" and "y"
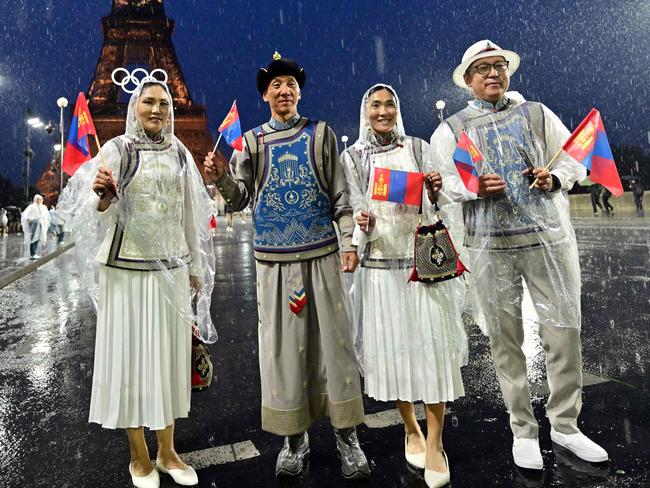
{"x": 292, "y": 214}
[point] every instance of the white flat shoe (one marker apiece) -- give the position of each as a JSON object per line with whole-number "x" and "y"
{"x": 436, "y": 479}
{"x": 183, "y": 477}
{"x": 417, "y": 460}
{"x": 526, "y": 453}
{"x": 580, "y": 445}
{"x": 152, "y": 480}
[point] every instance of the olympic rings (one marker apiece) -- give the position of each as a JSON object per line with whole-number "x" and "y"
{"x": 134, "y": 79}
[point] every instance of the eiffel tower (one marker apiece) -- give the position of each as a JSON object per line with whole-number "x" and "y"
{"x": 138, "y": 33}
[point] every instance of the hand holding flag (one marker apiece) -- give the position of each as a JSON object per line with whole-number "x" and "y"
{"x": 588, "y": 145}
{"x": 230, "y": 128}
{"x": 466, "y": 156}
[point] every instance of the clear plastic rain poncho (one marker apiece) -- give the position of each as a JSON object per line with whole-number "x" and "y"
{"x": 35, "y": 221}
{"x": 520, "y": 244}
{"x": 159, "y": 221}
{"x": 396, "y": 321}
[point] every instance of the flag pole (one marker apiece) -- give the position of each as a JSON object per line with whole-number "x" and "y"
{"x": 218, "y": 139}
{"x": 557, "y": 154}
{"x": 99, "y": 150}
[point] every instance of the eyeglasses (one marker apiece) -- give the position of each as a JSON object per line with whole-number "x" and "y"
{"x": 484, "y": 69}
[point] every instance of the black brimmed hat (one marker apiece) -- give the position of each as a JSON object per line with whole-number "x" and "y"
{"x": 279, "y": 66}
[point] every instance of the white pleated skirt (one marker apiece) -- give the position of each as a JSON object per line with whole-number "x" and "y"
{"x": 143, "y": 351}
{"x": 414, "y": 341}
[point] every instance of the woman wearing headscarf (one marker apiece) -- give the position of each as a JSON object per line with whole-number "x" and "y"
{"x": 35, "y": 221}
{"x": 155, "y": 278}
{"x": 414, "y": 343}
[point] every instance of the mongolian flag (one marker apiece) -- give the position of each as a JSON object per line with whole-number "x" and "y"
{"x": 77, "y": 151}
{"x": 589, "y": 145}
{"x": 397, "y": 186}
{"x": 230, "y": 128}
{"x": 465, "y": 156}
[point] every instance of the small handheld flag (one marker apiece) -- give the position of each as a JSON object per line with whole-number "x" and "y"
{"x": 588, "y": 144}
{"x": 77, "y": 150}
{"x": 397, "y": 186}
{"x": 230, "y": 129}
{"x": 465, "y": 157}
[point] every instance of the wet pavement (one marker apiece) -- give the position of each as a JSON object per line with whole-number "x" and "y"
{"x": 46, "y": 360}
{"x": 14, "y": 256}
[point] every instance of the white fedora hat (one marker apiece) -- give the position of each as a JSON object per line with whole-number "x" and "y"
{"x": 483, "y": 49}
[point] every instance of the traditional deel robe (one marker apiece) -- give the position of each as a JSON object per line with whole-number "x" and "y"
{"x": 521, "y": 240}
{"x": 152, "y": 238}
{"x": 307, "y": 365}
{"x": 405, "y": 357}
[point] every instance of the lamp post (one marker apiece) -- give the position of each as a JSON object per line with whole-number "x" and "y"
{"x": 32, "y": 122}
{"x": 62, "y": 102}
{"x": 440, "y": 105}
{"x": 344, "y": 140}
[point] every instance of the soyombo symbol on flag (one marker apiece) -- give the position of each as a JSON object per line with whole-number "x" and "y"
{"x": 397, "y": 186}
{"x": 465, "y": 157}
{"x": 589, "y": 145}
{"x": 77, "y": 151}
{"x": 230, "y": 128}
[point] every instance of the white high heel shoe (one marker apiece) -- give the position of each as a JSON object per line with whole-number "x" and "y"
{"x": 416, "y": 460}
{"x": 436, "y": 479}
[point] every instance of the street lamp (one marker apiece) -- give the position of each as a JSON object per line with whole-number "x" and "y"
{"x": 32, "y": 122}
{"x": 62, "y": 103}
{"x": 440, "y": 105}
{"x": 344, "y": 140}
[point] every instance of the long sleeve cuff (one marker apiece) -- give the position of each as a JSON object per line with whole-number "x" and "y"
{"x": 227, "y": 187}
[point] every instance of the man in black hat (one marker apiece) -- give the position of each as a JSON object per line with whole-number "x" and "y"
{"x": 289, "y": 168}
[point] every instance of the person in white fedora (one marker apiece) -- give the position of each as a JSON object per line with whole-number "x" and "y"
{"x": 520, "y": 244}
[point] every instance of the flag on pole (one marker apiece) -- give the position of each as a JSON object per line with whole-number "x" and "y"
{"x": 397, "y": 186}
{"x": 77, "y": 150}
{"x": 230, "y": 128}
{"x": 465, "y": 157}
{"x": 588, "y": 144}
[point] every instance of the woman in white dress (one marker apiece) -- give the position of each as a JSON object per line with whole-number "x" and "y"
{"x": 414, "y": 343}
{"x": 156, "y": 249}
{"x": 35, "y": 221}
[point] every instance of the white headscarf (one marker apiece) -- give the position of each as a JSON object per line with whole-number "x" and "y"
{"x": 134, "y": 126}
{"x": 365, "y": 129}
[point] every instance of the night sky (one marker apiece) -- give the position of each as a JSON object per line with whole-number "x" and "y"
{"x": 575, "y": 55}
